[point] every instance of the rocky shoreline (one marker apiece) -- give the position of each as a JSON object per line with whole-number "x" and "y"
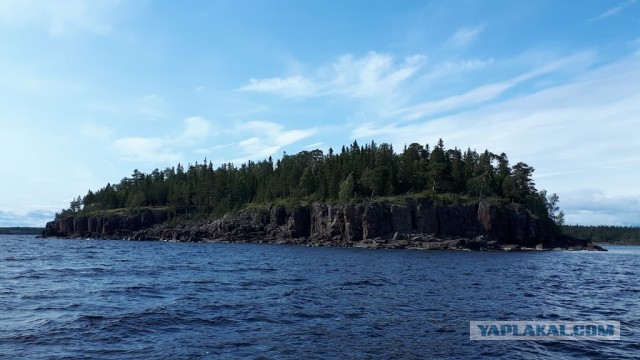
{"x": 407, "y": 224}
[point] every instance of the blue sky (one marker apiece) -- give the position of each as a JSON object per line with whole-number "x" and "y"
{"x": 92, "y": 89}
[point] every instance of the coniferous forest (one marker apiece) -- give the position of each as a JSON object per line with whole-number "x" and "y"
{"x": 20, "y": 230}
{"x": 354, "y": 173}
{"x": 605, "y": 234}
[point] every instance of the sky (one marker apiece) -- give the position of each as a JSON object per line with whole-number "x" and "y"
{"x": 92, "y": 89}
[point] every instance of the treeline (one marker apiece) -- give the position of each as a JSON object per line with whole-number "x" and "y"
{"x": 604, "y": 234}
{"x": 355, "y": 172}
{"x": 20, "y": 231}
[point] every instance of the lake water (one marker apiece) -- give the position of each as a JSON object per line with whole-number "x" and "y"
{"x": 140, "y": 300}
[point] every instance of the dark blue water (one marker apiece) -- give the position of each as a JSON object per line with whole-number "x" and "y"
{"x": 141, "y": 300}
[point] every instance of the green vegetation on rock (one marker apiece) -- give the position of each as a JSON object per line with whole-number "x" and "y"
{"x": 356, "y": 173}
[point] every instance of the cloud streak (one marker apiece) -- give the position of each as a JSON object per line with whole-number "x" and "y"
{"x": 464, "y": 36}
{"x": 289, "y": 87}
{"x": 168, "y": 149}
{"x": 372, "y": 75}
{"x": 152, "y": 107}
{"x": 146, "y": 150}
{"x": 196, "y": 128}
{"x": 62, "y": 16}
{"x": 613, "y": 11}
{"x": 258, "y": 139}
{"x": 269, "y": 138}
{"x": 487, "y": 92}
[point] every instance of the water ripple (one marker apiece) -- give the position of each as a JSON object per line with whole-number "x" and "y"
{"x": 114, "y": 299}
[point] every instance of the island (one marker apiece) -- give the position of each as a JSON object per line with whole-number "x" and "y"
{"x": 369, "y": 196}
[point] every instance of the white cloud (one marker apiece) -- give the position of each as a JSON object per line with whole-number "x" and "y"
{"x": 152, "y": 106}
{"x": 459, "y": 66}
{"x": 314, "y": 145}
{"x": 269, "y": 138}
{"x": 613, "y": 11}
{"x": 372, "y": 75}
{"x": 212, "y": 149}
{"x": 145, "y": 150}
{"x": 264, "y": 139}
{"x": 475, "y": 96}
{"x": 61, "y": 16}
{"x": 294, "y": 86}
{"x": 464, "y": 36}
{"x": 166, "y": 149}
{"x": 196, "y": 128}
{"x": 487, "y": 92}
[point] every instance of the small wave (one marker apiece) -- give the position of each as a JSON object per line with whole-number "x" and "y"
{"x": 367, "y": 282}
{"x": 262, "y": 319}
{"x": 214, "y": 321}
{"x": 19, "y": 259}
{"x": 223, "y": 307}
{"x": 262, "y": 283}
{"x": 313, "y": 315}
{"x": 91, "y": 319}
{"x": 28, "y": 275}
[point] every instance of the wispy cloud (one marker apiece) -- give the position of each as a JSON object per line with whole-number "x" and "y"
{"x": 258, "y": 139}
{"x": 486, "y": 92}
{"x": 152, "y": 106}
{"x": 457, "y": 67}
{"x": 475, "y": 96}
{"x": 196, "y": 128}
{"x": 294, "y": 86}
{"x": 61, "y": 16}
{"x": 212, "y": 149}
{"x": 269, "y": 138}
{"x": 314, "y": 145}
{"x": 372, "y": 75}
{"x": 613, "y": 11}
{"x": 145, "y": 150}
{"x": 464, "y": 36}
{"x": 167, "y": 149}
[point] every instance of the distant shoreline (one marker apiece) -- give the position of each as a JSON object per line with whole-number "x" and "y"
{"x": 19, "y": 230}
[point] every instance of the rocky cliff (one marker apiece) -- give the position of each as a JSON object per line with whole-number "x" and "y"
{"x": 412, "y": 223}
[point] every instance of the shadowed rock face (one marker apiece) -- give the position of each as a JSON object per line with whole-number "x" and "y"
{"x": 413, "y": 223}
{"x": 104, "y": 226}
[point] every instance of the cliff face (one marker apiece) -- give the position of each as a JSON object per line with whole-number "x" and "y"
{"x": 413, "y": 224}
{"x": 107, "y": 226}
